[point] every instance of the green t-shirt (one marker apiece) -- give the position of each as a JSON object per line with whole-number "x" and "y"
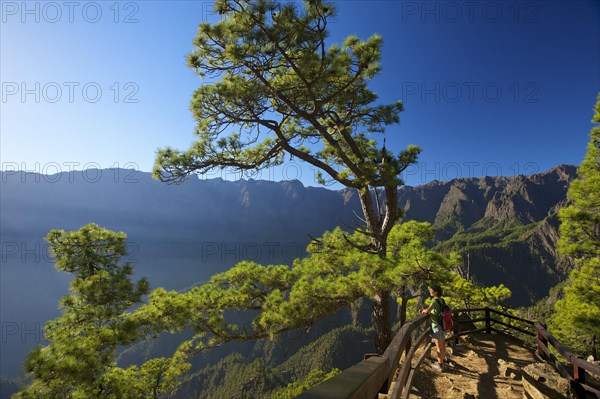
{"x": 436, "y": 312}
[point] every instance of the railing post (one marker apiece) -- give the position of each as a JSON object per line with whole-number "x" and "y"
{"x": 543, "y": 340}
{"x": 488, "y": 325}
{"x": 455, "y": 326}
{"x": 579, "y": 374}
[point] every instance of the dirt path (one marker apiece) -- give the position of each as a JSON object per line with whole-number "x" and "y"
{"x": 482, "y": 367}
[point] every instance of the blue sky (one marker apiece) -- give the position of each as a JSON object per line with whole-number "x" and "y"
{"x": 490, "y": 87}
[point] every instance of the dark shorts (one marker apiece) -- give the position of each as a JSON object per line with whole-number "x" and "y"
{"x": 437, "y": 332}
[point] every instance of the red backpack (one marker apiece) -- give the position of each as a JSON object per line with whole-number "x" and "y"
{"x": 445, "y": 316}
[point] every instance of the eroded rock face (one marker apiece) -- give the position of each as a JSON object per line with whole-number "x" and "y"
{"x": 499, "y": 200}
{"x": 542, "y": 381}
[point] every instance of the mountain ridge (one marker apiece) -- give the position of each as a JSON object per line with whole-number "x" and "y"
{"x": 180, "y": 235}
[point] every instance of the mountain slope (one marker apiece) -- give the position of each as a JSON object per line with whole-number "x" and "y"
{"x": 180, "y": 235}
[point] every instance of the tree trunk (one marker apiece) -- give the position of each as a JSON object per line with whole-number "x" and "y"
{"x": 379, "y": 222}
{"x": 381, "y": 321}
{"x": 403, "y": 305}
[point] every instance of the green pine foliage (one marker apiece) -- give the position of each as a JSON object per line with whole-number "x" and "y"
{"x": 103, "y": 310}
{"x": 333, "y": 276}
{"x": 577, "y": 318}
{"x": 275, "y": 88}
{"x": 79, "y": 360}
{"x": 465, "y": 293}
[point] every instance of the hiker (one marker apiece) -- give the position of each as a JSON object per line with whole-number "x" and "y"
{"x": 436, "y": 327}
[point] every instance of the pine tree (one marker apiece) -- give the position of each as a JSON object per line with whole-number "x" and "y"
{"x": 103, "y": 310}
{"x": 334, "y": 275}
{"x": 275, "y": 89}
{"x": 79, "y": 361}
{"x": 577, "y": 318}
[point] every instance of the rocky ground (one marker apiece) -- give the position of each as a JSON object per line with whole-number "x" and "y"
{"x": 481, "y": 367}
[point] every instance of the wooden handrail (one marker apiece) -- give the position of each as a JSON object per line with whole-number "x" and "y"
{"x": 407, "y": 365}
{"x": 513, "y": 317}
{"x": 471, "y": 309}
{"x": 579, "y": 366}
{"x": 371, "y": 376}
{"x": 564, "y": 352}
{"x": 365, "y": 380}
{"x": 521, "y": 330}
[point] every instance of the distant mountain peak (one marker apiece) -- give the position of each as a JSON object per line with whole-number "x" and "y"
{"x": 501, "y": 200}
{"x": 563, "y": 171}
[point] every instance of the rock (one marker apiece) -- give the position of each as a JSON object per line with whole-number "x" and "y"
{"x": 541, "y": 381}
{"x": 471, "y": 353}
{"x": 509, "y": 369}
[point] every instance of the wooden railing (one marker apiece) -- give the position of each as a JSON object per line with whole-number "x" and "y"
{"x": 374, "y": 375}
{"x": 491, "y": 323}
{"x": 579, "y": 366}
